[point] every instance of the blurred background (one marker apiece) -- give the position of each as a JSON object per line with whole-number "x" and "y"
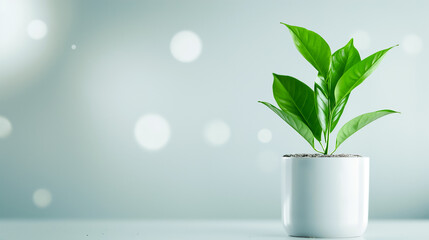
{"x": 148, "y": 109}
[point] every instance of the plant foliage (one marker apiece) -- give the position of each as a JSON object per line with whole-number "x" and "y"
{"x": 314, "y": 113}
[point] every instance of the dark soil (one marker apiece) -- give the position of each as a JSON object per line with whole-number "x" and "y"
{"x": 301, "y": 155}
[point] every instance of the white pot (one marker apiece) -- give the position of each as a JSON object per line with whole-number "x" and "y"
{"x": 325, "y": 196}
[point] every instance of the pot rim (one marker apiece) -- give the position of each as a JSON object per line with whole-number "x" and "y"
{"x": 326, "y": 158}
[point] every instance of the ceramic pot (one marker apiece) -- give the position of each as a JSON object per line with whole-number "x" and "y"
{"x": 325, "y": 196}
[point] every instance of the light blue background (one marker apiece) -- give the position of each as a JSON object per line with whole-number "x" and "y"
{"x": 73, "y": 111}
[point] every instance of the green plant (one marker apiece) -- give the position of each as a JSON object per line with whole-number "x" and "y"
{"x": 314, "y": 114}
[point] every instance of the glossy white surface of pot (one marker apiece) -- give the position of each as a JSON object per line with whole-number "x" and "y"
{"x": 325, "y": 196}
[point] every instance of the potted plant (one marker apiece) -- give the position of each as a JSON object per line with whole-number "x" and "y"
{"x": 324, "y": 195}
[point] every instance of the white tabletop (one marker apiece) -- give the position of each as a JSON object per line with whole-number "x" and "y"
{"x": 178, "y": 230}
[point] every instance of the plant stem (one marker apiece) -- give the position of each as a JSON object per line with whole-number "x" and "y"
{"x": 328, "y": 133}
{"x": 327, "y": 145}
{"x": 317, "y": 150}
{"x": 323, "y": 149}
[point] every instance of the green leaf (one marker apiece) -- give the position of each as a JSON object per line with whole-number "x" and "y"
{"x": 312, "y": 47}
{"x": 294, "y": 121}
{"x": 359, "y": 122}
{"x": 357, "y": 74}
{"x": 321, "y": 92}
{"x": 342, "y": 60}
{"x": 296, "y": 97}
{"x": 337, "y": 112}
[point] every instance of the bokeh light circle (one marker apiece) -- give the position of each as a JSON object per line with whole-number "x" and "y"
{"x": 264, "y": 135}
{"x": 37, "y": 29}
{"x": 152, "y": 132}
{"x": 186, "y": 46}
{"x": 217, "y": 132}
{"x": 42, "y": 198}
{"x": 412, "y": 44}
{"x": 5, "y": 127}
{"x": 73, "y": 46}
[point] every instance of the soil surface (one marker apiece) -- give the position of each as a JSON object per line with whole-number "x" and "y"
{"x": 320, "y": 155}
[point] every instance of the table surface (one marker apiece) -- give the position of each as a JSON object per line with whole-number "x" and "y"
{"x": 189, "y": 229}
